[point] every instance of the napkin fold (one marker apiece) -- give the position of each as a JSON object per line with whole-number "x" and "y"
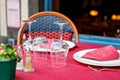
{"x": 103, "y": 54}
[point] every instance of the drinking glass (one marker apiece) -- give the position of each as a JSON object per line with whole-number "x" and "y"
{"x": 29, "y": 22}
{"x": 58, "y": 53}
{"x": 40, "y": 48}
{"x": 20, "y": 65}
{"x": 61, "y": 24}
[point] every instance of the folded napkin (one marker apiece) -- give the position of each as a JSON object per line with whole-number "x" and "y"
{"x": 103, "y": 54}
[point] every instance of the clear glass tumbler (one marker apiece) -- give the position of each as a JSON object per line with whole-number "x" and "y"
{"x": 40, "y": 48}
{"x": 58, "y": 53}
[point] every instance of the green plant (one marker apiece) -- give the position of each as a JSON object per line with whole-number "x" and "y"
{"x": 7, "y": 52}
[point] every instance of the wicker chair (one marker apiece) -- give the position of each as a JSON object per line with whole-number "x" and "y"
{"x": 45, "y": 26}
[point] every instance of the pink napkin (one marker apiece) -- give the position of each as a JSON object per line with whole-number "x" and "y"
{"x": 103, "y": 54}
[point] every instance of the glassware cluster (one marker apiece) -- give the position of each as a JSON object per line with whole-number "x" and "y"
{"x": 40, "y": 47}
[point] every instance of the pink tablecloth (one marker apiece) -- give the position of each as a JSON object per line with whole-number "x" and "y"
{"x": 73, "y": 71}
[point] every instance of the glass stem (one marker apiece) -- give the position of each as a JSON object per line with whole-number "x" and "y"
{"x": 29, "y": 26}
{"x": 61, "y": 32}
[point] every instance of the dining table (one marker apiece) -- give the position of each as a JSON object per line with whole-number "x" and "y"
{"x": 74, "y": 70}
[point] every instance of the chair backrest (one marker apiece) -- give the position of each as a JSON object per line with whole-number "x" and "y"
{"x": 44, "y": 25}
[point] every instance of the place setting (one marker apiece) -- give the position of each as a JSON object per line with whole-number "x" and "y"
{"x": 30, "y": 42}
{"x": 70, "y": 44}
{"x": 106, "y": 58}
{"x": 49, "y": 51}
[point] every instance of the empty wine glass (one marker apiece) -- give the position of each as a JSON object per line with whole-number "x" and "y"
{"x": 60, "y": 23}
{"x": 29, "y": 22}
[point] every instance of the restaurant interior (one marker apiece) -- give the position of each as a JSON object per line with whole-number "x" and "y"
{"x": 96, "y": 17}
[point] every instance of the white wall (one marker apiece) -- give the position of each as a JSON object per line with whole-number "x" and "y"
{"x": 3, "y": 26}
{"x": 3, "y": 21}
{"x": 24, "y": 9}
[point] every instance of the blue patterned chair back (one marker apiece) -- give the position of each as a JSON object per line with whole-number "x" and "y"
{"x": 46, "y": 23}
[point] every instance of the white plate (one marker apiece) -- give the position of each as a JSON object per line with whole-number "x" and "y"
{"x": 111, "y": 63}
{"x": 27, "y": 45}
{"x": 40, "y": 49}
{"x": 71, "y": 45}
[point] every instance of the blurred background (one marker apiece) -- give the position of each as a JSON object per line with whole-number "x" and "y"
{"x": 94, "y": 17}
